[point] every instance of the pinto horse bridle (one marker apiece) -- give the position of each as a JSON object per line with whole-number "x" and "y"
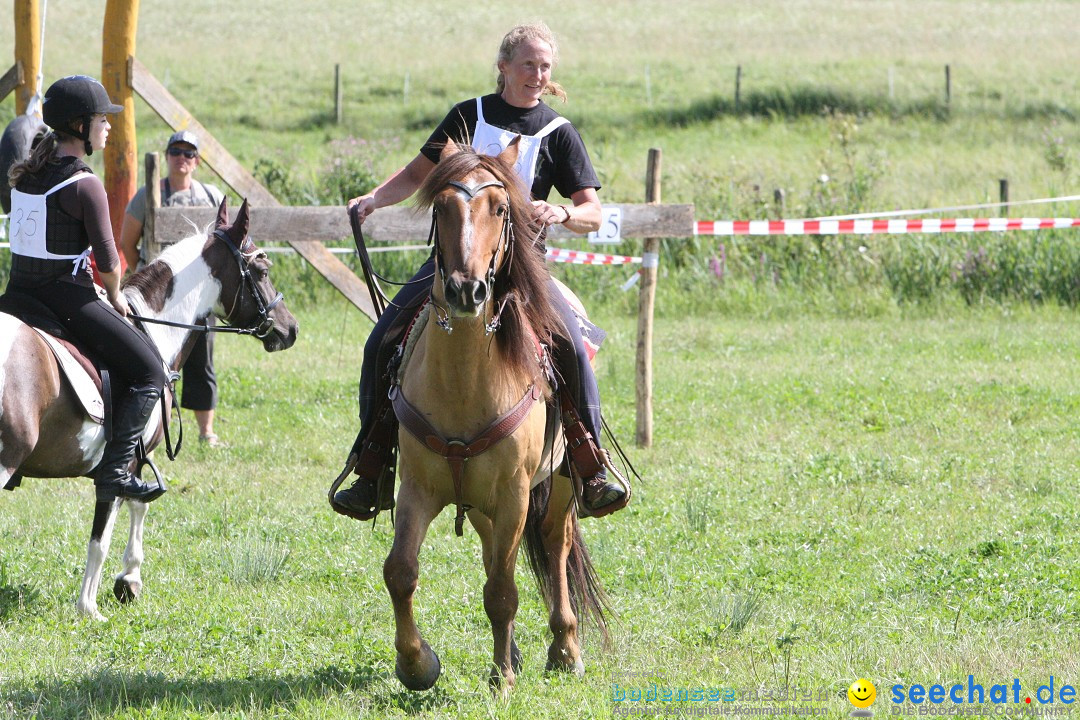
{"x": 265, "y": 324}
{"x": 262, "y": 327}
{"x": 506, "y": 246}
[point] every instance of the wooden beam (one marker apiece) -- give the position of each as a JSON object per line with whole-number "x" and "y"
{"x": 244, "y": 184}
{"x": 27, "y": 52}
{"x": 300, "y": 225}
{"x": 121, "y": 152}
{"x": 10, "y": 80}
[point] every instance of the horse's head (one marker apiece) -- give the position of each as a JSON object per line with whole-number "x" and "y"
{"x": 489, "y": 265}
{"x": 478, "y": 202}
{"x": 248, "y": 298}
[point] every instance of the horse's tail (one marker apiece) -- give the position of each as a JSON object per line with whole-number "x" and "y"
{"x": 587, "y": 595}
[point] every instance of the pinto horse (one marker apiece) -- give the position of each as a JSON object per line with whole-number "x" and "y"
{"x": 471, "y": 400}
{"x": 45, "y": 431}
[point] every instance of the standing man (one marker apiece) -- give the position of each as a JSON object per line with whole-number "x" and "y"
{"x": 180, "y": 188}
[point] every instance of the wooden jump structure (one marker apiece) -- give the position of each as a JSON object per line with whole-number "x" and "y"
{"x": 305, "y": 229}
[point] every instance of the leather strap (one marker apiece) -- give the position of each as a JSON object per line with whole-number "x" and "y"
{"x": 457, "y": 452}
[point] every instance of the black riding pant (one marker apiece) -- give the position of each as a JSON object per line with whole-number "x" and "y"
{"x": 132, "y": 360}
{"x": 571, "y": 358}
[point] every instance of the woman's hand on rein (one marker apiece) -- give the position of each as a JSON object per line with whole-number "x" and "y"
{"x": 548, "y": 214}
{"x": 362, "y": 206}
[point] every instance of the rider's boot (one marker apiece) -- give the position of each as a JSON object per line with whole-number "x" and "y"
{"x": 114, "y": 478}
{"x": 373, "y": 489}
{"x": 600, "y": 495}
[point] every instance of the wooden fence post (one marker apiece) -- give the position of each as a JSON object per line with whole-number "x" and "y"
{"x": 738, "y": 91}
{"x": 646, "y": 302}
{"x": 948, "y": 86}
{"x": 151, "y": 245}
{"x": 779, "y": 200}
{"x": 1003, "y": 194}
{"x": 337, "y": 93}
{"x": 27, "y": 53}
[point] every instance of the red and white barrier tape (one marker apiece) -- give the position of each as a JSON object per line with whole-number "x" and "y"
{"x": 580, "y": 257}
{"x": 872, "y": 227}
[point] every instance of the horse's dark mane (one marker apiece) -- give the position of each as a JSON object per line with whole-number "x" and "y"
{"x": 153, "y": 282}
{"x": 524, "y": 279}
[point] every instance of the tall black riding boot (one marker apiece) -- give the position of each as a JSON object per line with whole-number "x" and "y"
{"x": 114, "y": 478}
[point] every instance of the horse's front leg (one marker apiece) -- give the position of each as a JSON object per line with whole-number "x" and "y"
{"x": 486, "y": 531}
{"x": 500, "y": 590}
{"x": 96, "y": 552}
{"x": 417, "y": 664}
{"x": 128, "y": 584}
{"x": 557, "y": 529}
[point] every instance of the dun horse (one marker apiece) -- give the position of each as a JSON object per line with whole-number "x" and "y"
{"x": 45, "y": 432}
{"x": 471, "y": 402}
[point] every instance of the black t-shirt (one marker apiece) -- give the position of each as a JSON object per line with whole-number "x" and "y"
{"x": 563, "y": 161}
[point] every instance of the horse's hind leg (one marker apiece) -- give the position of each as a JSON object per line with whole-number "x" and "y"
{"x": 417, "y": 664}
{"x": 128, "y": 583}
{"x": 96, "y": 552}
{"x": 557, "y": 529}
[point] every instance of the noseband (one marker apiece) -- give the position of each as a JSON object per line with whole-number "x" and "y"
{"x": 265, "y": 324}
{"x": 506, "y": 236}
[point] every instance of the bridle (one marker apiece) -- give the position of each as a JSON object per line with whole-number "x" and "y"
{"x": 265, "y": 324}
{"x": 505, "y": 247}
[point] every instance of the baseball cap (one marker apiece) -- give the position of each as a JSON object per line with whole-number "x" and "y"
{"x": 184, "y": 136}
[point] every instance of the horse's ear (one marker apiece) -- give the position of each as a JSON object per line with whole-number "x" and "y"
{"x": 239, "y": 229}
{"x": 450, "y": 148}
{"x": 222, "y": 214}
{"x": 510, "y": 154}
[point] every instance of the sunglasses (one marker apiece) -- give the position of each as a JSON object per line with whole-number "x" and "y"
{"x": 189, "y": 154}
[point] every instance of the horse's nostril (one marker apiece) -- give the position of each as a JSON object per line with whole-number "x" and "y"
{"x": 451, "y": 291}
{"x": 479, "y": 292}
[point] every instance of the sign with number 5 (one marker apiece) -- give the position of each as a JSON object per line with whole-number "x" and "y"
{"x": 610, "y": 232}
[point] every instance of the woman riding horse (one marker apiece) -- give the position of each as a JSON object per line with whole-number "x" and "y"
{"x": 551, "y": 154}
{"x": 59, "y": 214}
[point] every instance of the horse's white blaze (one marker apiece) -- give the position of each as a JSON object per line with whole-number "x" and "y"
{"x": 466, "y": 227}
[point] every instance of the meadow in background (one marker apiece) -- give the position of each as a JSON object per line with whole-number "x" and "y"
{"x": 865, "y": 451}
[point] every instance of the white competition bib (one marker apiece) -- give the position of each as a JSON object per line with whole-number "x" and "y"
{"x": 490, "y": 140}
{"x": 27, "y": 225}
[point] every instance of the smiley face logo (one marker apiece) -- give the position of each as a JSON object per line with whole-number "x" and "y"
{"x": 862, "y": 693}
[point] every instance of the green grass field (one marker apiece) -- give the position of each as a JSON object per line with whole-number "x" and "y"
{"x": 826, "y": 499}
{"x": 865, "y": 453}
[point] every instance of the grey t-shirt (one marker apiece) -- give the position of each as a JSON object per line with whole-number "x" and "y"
{"x": 198, "y": 195}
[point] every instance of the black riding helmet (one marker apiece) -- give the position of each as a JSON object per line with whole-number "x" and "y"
{"x": 76, "y": 97}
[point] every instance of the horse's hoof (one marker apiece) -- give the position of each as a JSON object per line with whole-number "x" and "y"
{"x": 424, "y": 679}
{"x": 578, "y": 668}
{"x": 126, "y": 591}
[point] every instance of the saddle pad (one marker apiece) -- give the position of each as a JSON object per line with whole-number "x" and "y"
{"x": 592, "y": 334}
{"x": 80, "y": 381}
